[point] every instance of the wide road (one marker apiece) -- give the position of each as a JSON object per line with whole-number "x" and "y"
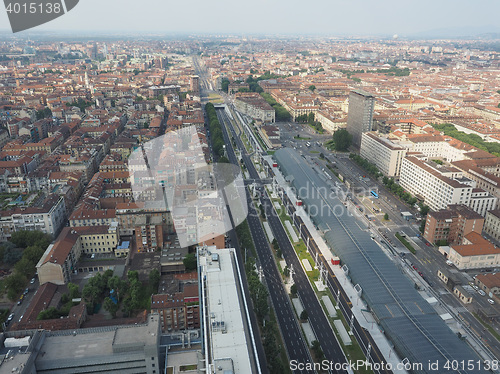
{"x": 317, "y": 318}
{"x": 296, "y": 346}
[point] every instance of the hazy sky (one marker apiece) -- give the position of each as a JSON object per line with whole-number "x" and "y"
{"x": 330, "y": 17}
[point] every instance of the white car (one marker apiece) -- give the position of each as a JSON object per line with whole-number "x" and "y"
{"x": 481, "y": 292}
{"x": 491, "y": 301}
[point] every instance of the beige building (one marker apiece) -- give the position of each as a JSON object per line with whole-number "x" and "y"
{"x": 475, "y": 253}
{"x": 60, "y": 259}
{"x": 254, "y": 105}
{"x": 463, "y": 295}
{"x": 492, "y": 224}
{"x": 382, "y": 152}
{"x": 98, "y": 239}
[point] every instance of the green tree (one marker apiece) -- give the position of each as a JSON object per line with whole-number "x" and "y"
{"x": 14, "y": 284}
{"x": 293, "y": 290}
{"x": 154, "y": 279}
{"x": 12, "y": 255}
{"x": 312, "y": 87}
{"x": 74, "y": 291}
{"x": 386, "y": 217}
{"x": 304, "y": 316}
{"x": 115, "y": 283}
{"x": 224, "y": 84}
{"x": 190, "y": 262}
{"x": 110, "y": 306}
{"x": 318, "y": 352}
{"x": 342, "y": 140}
{"x": 25, "y": 266}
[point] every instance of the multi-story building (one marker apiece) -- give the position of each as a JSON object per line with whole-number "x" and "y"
{"x": 223, "y": 314}
{"x": 437, "y": 185}
{"x": 48, "y": 218}
{"x": 492, "y": 224}
{"x": 452, "y": 224}
{"x": 254, "y": 105}
{"x": 482, "y": 202}
{"x": 110, "y": 349}
{"x": 178, "y": 311}
{"x": 381, "y": 151}
{"x": 149, "y": 232}
{"x": 360, "y": 114}
{"x": 474, "y": 253}
{"x": 98, "y": 239}
{"x": 59, "y": 261}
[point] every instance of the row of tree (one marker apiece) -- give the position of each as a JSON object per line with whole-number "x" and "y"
{"x": 215, "y": 129}
{"x": 472, "y": 139}
{"x": 281, "y": 113}
{"x": 395, "y": 188}
{"x": 23, "y": 251}
{"x": 310, "y": 120}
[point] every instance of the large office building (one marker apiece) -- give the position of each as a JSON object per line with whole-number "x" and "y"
{"x": 382, "y": 152}
{"x": 227, "y": 339}
{"x": 112, "y": 349}
{"x": 360, "y": 114}
{"x": 437, "y": 185}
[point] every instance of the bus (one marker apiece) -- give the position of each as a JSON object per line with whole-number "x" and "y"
{"x": 374, "y": 194}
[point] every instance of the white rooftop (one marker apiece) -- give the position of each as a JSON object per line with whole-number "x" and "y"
{"x": 225, "y": 326}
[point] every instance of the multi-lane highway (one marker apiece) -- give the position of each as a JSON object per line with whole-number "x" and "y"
{"x": 296, "y": 345}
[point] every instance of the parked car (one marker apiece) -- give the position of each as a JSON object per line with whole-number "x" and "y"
{"x": 26, "y": 291}
{"x": 491, "y": 301}
{"x": 481, "y": 292}
{"x": 10, "y": 317}
{"x": 32, "y": 280}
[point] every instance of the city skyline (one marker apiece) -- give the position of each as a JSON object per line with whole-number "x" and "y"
{"x": 340, "y": 18}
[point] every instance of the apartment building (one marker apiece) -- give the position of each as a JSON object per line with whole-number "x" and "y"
{"x": 452, "y": 225}
{"x": 437, "y": 185}
{"x": 254, "y": 105}
{"x": 48, "y": 218}
{"x": 98, "y": 239}
{"x": 482, "y": 202}
{"x": 381, "y": 151}
{"x": 492, "y": 224}
{"x": 149, "y": 232}
{"x": 59, "y": 260}
{"x": 474, "y": 253}
{"x": 178, "y": 311}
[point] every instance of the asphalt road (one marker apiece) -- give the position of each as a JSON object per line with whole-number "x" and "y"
{"x": 317, "y": 318}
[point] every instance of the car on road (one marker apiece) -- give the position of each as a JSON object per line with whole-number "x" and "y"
{"x": 481, "y": 292}
{"x": 491, "y": 301}
{"x": 19, "y": 302}
{"x": 10, "y": 317}
{"x": 32, "y": 280}
{"x": 26, "y": 291}
{"x": 475, "y": 287}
